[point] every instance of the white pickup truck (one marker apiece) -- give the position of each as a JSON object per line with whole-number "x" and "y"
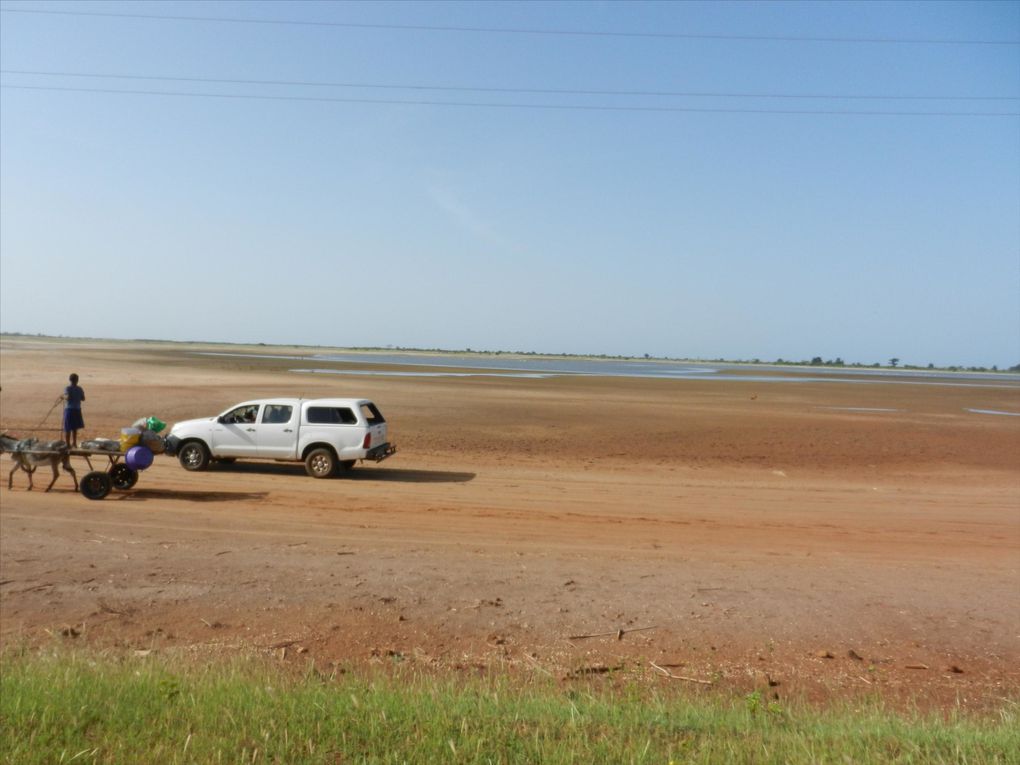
{"x": 327, "y": 434}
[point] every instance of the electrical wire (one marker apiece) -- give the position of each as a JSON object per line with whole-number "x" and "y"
{"x": 518, "y": 31}
{"x": 537, "y": 91}
{"x": 497, "y": 105}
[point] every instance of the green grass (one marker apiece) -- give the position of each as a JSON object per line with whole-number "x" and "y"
{"x": 93, "y": 708}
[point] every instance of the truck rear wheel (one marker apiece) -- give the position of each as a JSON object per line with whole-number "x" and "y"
{"x": 320, "y": 463}
{"x": 193, "y": 456}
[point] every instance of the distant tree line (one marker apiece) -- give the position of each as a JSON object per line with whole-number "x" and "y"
{"x": 893, "y": 363}
{"x": 815, "y": 361}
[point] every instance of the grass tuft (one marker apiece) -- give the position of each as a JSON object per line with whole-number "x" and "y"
{"x": 89, "y": 708}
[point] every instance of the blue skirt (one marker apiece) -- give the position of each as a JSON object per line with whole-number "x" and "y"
{"x": 73, "y": 420}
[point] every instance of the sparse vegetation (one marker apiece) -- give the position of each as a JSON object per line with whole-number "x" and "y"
{"x": 93, "y": 708}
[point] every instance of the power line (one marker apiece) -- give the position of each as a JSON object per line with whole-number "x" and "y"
{"x": 521, "y": 31}
{"x": 473, "y": 89}
{"x": 497, "y": 105}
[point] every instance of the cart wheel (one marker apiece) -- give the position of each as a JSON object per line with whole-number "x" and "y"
{"x": 96, "y": 484}
{"x": 123, "y": 477}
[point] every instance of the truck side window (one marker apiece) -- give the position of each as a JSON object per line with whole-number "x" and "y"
{"x": 320, "y": 415}
{"x": 241, "y": 414}
{"x": 331, "y": 415}
{"x": 276, "y": 414}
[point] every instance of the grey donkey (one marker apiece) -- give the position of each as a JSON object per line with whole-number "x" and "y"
{"x": 29, "y": 453}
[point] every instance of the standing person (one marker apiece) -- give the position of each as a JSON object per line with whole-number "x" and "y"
{"x": 72, "y": 397}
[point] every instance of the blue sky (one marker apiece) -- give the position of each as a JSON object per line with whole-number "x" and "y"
{"x": 673, "y": 233}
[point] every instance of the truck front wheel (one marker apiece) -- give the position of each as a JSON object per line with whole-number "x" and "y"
{"x": 320, "y": 463}
{"x": 193, "y": 456}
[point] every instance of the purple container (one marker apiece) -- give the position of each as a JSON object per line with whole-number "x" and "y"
{"x": 138, "y": 457}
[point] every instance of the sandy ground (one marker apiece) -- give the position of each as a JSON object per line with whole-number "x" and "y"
{"x": 744, "y": 533}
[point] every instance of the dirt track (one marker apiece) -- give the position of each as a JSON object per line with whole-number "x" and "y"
{"x": 755, "y": 526}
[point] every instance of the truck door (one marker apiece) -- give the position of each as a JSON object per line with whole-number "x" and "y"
{"x": 233, "y": 435}
{"x": 375, "y": 421}
{"x": 277, "y": 432}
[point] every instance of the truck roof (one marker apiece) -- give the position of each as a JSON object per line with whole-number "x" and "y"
{"x": 305, "y": 401}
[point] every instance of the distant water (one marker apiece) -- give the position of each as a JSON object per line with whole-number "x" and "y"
{"x": 501, "y": 366}
{"x": 377, "y": 373}
{"x": 860, "y": 409}
{"x": 649, "y": 368}
{"x": 994, "y": 411}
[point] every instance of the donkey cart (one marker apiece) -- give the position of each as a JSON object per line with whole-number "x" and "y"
{"x": 98, "y": 483}
{"x": 29, "y": 454}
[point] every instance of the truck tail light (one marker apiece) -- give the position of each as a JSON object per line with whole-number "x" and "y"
{"x": 367, "y": 443}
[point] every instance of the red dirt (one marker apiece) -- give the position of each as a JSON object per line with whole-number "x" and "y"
{"x": 758, "y": 533}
